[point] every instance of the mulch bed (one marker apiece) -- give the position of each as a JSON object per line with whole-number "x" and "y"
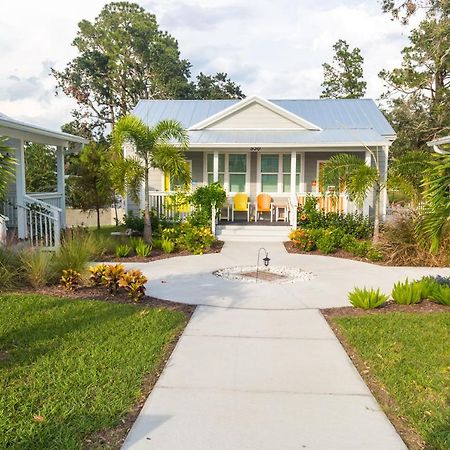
{"x": 291, "y": 248}
{"x": 157, "y": 254}
{"x": 349, "y": 311}
{"x": 408, "y": 434}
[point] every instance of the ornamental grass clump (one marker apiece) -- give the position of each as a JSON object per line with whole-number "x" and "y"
{"x": 407, "y": 293}
{"x": 38, "y": 267}
{"x": 367, "y": 298}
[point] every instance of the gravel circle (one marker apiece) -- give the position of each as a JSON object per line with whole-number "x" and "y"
{"x": 286, "y": 274}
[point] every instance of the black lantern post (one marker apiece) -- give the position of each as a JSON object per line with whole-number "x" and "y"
{"x": 266, "y": 261}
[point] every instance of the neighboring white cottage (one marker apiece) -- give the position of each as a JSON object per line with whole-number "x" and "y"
{"x": 37, "y": 216}
{"x": 272, "y": 146}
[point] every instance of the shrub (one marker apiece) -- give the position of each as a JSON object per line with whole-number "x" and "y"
{"x": 123, "y": 250}
{"x": 204, "y": 196}
{"x": 440, "y": 293}
{"x": 97, "y": 274}
{"x": 70, "y": 279}
{"x": 407, "y": 293}
{"x": 142, "y": 249}
{"x": 133, "y": 223}
{"x": 134, "y": 283}
{"x": 38, "y": 266}
{"x": 367, "y": 298}
{"x": 156, "y": 243}
{"x": 354, "y": 224}
{"x": 167, "y": 246}
{"x": 196, "y": 239}
{"x": 112, "y": 276}
{"x": 303, "y": 239}
{"x": 330, "y": 241}
{"x": 374, "y": 254}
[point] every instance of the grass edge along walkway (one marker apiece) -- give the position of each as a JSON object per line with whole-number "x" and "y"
{"x": 404, "y": 358}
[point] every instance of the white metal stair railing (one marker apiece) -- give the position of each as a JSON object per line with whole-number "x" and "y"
{"x": 42, "y": 223}
{"x": 3, "y": 229}
{"x": 8, "y": 209}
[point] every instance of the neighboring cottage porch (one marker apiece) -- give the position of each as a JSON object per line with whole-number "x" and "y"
{"x": 36, "y": 217}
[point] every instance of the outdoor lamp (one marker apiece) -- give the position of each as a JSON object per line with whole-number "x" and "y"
{"x": 266, "y": 260}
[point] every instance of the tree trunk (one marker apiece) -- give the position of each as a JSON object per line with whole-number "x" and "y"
{"x": 98, "y": 217}
{"x": 147, "y": 221}
{"x": 116, "y": 215}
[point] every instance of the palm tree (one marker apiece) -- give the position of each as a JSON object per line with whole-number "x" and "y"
{"x": 7, "y": 164}
{"x": 160, "y": 146}
{"x": 435, "y": 218}
{"x": 406, "y": 172}
{"x": 358, "y": 179}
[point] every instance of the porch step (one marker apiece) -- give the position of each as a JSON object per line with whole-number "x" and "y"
{"x": 253, "y": 233}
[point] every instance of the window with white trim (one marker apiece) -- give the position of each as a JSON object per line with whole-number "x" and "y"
{"x": 275, "y": 172}
{"x": 237, "y": 172}
{"x": 269, "y": 172}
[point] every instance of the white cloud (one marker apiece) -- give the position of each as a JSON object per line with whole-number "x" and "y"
{"x": 274, "y": 49}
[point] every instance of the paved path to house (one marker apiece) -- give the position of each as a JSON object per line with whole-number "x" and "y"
{"x": 257, "y": 367}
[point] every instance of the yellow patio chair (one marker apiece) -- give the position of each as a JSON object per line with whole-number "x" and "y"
{"x": 240, "y": 204}
{"x": 264, "y": 204}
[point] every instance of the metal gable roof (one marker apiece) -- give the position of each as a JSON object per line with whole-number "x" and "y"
{"x": 342, "y": 120}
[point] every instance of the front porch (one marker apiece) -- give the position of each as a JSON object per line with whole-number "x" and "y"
{"x": 286, "y": 176}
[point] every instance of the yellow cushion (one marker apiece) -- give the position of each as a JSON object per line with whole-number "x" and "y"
{"x": 241, "y": 201}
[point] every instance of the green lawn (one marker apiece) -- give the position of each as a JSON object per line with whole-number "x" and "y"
{"x": 410, "y": 355}
{"x": 80, "y": 365}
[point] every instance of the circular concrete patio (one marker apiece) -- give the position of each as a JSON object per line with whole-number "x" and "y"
{"x": 190, "y": 279}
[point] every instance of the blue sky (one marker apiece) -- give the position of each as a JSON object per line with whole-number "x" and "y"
{"x": 272, "y": 48}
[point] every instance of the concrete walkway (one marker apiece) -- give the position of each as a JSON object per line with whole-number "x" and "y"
{"x": 257, "y": 366}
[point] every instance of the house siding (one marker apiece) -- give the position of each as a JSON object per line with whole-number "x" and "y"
{"x": 254, "y": 116}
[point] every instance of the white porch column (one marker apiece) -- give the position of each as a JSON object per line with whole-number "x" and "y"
{"x": 302, "y": 172}
{"x": 383, "y": 193}
{"x": 216, "y": 166}
{"x": 61, "y": 183}
{"x": 368, "y": 200}
{"x": 293, "y": 176}
{"x": 20, "y": 190}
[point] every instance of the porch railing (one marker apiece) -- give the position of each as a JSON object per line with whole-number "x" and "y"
{"x": 42, "y": 223}
{"x": 329, "y": 202}
{"x": 166, "y": 205}
{"x": 50, "y": 198}
{"x": 9, "y": 209}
